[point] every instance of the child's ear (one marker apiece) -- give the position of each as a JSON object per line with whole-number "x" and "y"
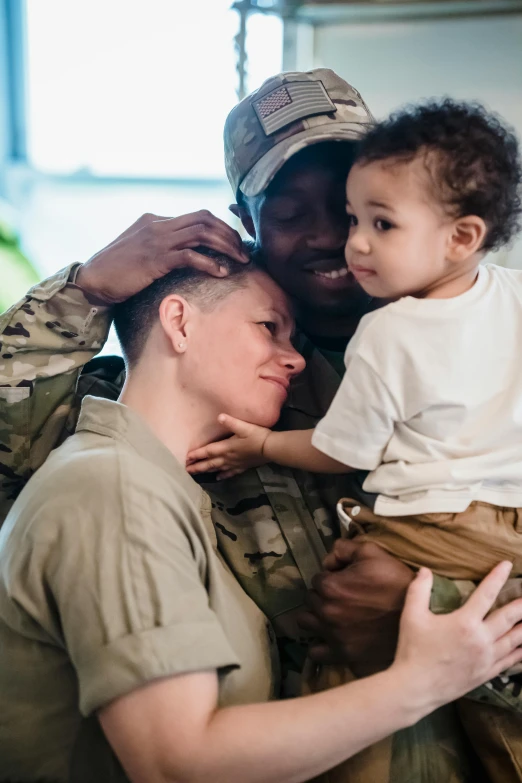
{"x": 466, "y": 238}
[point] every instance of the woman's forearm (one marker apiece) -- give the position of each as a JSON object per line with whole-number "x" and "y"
{"x": 293, "y": 741}
{"x": 294, "y": 449}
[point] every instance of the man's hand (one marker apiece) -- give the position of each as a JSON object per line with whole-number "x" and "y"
{"x": 355, "y": 607}
{"x": 153, "y": 246}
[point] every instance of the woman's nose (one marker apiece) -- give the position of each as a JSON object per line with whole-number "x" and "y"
{"x": 293, "y": 361}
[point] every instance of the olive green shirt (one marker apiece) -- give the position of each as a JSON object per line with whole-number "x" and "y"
{"x": 110, "y": 578}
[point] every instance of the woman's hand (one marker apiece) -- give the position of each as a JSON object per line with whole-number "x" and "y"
{"x": 172, "y": 728}
{"x": 153, "y": 246}
{"x": 445, "y": 656}
{"x": 243, "y": 450}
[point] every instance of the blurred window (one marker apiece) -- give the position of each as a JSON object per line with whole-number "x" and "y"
{"x": 119, "y": 88}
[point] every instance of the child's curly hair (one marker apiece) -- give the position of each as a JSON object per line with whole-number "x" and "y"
{"x": 471, "y": 155}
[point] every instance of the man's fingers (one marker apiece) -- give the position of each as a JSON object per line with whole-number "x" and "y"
{"x": 202, "y": 228}
{"x": 188, "y": 258}
{"x": 342, "y": 553}
{"x": 195, "y": 237}
{"x": 332, "y": 563}
{"x": 317, "y": 606}
{"x": 141, "y": 222}
{"x": 419, "y": 593}
{"x": 321, "y": 653}
{"x": 483, "y": 598}
{"x": 190, "y": 218}
{"x": 308, "y": 622}
{"x": 502, "y": 620}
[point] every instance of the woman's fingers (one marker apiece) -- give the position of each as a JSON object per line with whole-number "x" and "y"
{"x": 460, "y": 650}
{"x": 502, "y": 620}
{"x": 418, "y": 595}
{"x": 508, "y": 643}
{"x": 506, "y": 663}
{"x": 481, "y": 601}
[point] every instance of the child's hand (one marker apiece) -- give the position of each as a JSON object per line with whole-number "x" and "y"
{"x": 243, "y": 450}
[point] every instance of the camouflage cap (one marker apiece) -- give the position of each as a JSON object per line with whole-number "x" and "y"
{"x": 287, "y": 113}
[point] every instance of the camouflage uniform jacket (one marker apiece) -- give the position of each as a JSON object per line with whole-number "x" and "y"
{"x": 273, "y": 525}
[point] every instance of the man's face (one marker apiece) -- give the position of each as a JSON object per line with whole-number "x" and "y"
{"x": 301, "y": 228}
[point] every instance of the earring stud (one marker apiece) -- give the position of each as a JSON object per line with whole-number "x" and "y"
{"x": 181, "y": 345}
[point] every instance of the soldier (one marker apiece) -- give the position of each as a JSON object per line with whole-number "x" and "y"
{"x": 288, "y": 149}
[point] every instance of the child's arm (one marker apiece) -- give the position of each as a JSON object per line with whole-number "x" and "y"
{"x": 294, "y": 449}
{"x": 251, "y": 445}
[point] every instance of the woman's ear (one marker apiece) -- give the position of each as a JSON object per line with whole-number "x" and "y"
{"x": 466, "y": 238}
{"x": 175, "y": 315}
{"x": 245, "y": 217}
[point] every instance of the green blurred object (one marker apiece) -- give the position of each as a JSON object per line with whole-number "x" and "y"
{"x": 17, "y": 274}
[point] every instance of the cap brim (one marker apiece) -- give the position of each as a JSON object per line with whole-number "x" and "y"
{"x": 264, "y": 171}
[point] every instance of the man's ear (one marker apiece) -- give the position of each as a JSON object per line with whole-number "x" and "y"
{"x": 245, "y": 217}
{"x": 466, "y": 238}
{"x": 175, "y": 318}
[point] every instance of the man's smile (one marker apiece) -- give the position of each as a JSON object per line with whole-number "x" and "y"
{"x": 329, "y": 270}
{"x": 334, "y": 274}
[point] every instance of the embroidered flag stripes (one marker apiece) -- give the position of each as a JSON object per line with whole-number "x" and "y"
{"x": 291, "y": 102}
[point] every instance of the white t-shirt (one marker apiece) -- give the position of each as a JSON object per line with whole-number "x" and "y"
{"x": 431, "y": 402}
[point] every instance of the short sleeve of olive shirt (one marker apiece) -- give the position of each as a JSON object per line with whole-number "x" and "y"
{"x": 111, "y": 557}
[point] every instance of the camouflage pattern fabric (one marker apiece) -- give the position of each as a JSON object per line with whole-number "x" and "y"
{"x": 273, "y": 525}
{"x": 254, "y": 152}
{"x": 45, "y": 340}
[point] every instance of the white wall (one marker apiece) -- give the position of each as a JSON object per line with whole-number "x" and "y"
{"x": 392, "y": 63}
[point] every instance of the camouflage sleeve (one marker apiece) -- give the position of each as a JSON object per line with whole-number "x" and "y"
{"x": 45, "y": 340}
{"x": 449, "y": 594}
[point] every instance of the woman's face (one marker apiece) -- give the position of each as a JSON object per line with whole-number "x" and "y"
{"x": 240, "y": 359}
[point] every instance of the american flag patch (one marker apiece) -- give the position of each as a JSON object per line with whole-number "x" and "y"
{"x": 291, "y": 102}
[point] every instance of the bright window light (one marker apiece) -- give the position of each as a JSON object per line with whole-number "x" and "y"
{"x": 127, "y": 88}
